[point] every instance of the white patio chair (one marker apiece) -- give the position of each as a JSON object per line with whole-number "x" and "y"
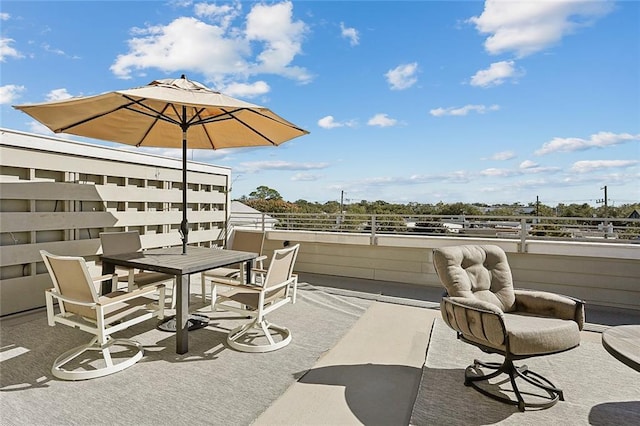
{"x": 81, "y": 307}
{"x": 129, "y": 242}
{"x": 257, "y": 301}
{"x": 250, "y": 241}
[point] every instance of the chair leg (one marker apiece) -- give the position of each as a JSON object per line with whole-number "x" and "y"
{"x": 203, "y": 287}
{"x": 507, "y": 367}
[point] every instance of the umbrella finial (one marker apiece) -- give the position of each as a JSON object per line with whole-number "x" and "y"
{"x": 183, "y": 77}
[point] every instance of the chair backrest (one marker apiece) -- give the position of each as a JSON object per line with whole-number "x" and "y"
{"x": 120, "y": 242}
{"x": 247, "y": 241}
{"x": 71, "y": 279}
{"x": 476, "y": 271}
{"x": 281, "y": 268}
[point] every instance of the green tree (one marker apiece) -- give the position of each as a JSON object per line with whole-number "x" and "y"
{"x": 265, "y": 193}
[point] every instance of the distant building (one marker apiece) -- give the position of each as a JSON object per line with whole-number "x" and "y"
{"x": 245, "y": 217}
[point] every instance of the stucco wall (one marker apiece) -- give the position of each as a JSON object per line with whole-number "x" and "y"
{"x": 599, "y": 273}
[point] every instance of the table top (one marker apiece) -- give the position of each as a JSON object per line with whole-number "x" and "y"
{"x": 623, "y": 342}
{"x": 172, "y": 261}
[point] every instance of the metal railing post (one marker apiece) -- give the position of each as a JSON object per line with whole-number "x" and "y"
{"x": 373, "y": 230}
{"x": 523, "y": 235}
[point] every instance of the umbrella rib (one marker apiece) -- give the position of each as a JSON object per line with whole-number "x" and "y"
{"x": 229, "y": 115}
{"x": 86, "y": 120}
{"x": 150, "y": 128}
{"x": 158, "y": 115}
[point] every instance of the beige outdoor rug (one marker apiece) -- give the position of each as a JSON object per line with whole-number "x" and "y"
{"x": 598, "y": 389}
{"x": 211, "y": 385}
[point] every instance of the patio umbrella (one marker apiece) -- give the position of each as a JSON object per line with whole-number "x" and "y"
{"x": 167, "y": 113}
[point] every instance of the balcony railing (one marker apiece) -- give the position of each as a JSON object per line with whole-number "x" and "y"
{"x": 523, "y": 228}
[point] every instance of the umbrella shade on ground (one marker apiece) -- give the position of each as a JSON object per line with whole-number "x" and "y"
{"x": 167, "y": 113}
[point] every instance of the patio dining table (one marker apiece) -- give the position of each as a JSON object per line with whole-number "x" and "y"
{"x": 172, "y": 261}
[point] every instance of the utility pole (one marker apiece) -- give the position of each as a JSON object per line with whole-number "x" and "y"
{"x": 537, "y": 206}
{"x": 341, "y": 202}
{"x": 607, "y": 227}
{"x": 605, "y": 201}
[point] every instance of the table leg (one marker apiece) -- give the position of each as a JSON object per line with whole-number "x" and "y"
{"x": 182, "y": 314}
{"x": 247, "y": 274}
{"x": 107, "y": 268}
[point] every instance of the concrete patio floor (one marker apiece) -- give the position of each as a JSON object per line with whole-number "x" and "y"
{"x": 394, "y": 331}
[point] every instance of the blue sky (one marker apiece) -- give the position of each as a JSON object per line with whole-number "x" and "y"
{"x": 425, "y": 101}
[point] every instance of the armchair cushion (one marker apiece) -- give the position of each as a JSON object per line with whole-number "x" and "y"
{"x": 480, "y": 272}
{"x": 532, "y": 335}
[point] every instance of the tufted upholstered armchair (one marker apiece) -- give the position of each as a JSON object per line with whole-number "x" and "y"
{"x": 485, "y": 310}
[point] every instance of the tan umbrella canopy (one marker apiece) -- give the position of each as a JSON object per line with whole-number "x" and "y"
{"x": 167, "y": 113}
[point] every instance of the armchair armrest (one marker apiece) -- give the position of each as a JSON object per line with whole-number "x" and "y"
{"x": 54, "y": 294}
{"x": 124, "y": 296}
{"x": 550, "y": 305}
{"x": 259, "y": 261}
{"x": 475, "y": 319}
{"x": 112, "y": 277}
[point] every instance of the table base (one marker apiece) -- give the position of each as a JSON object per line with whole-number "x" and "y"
{"x": 194, "y": 322}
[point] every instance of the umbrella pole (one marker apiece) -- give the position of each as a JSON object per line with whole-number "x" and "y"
{"x": 184, "y": 225}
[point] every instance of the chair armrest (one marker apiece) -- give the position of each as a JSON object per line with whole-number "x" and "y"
{"x": 259, "y": 261}
{"x": 228, "y": 281}
{"x": 475, "y": 319}
{"x": 550, "y": 305}
{"x": 124, "y": 296}
{"x": 104, "y": 277}
{"x": 112, "y": 277}
{"x": 71, "y": 300}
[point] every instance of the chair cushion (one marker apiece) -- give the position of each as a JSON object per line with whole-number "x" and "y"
{"x": 532, "y": 335}
{"x": 476, "y": 271}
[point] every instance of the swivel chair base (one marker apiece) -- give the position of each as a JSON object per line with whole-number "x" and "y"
{"x": 109, "y": 367}
{"x": 507, "y": 367}
{"x": 239, "y": 338}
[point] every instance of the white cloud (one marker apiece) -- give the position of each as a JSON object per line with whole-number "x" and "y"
{"x": 528, "y": 164}
{"x": 496, "y": 74}
{"x": 329, "y": 122}
{"x": 222, "y": 15}
{"x": 184, "y": 44}
{"x": 493, "y": 172}
{"x": 351, "y": 34}
{"x": 525, "y": 168}
{"x": 305, "y": 177}
{"x": 58, "y": 95}
{"x": 221, "y": 52}
{"x": 593, "y": 165}
{"x": 39, "y": 128}
{"x": 10, "y": 93}
{"x": 598, "y": 140}
{"x": 528, "y": 27}
{"x": 246, "y": 90}
{"x": 7, "y": 51}
{"x": 504, "y": 155}
{"x": 480, "y": 109}
{"x": 4, "y": 16}
{"x": 258, "y": 166}
{"x": 382, "y": 120}
{"x": 273, "y": 25}
{"x": 403, "y": 76}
